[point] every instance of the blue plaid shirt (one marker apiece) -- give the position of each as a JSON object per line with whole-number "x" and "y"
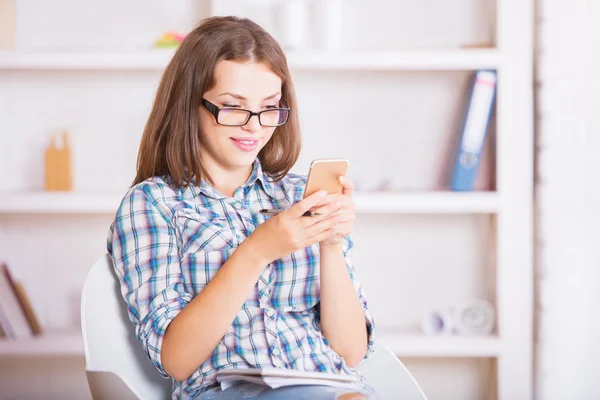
{"x": 166, "y": 245}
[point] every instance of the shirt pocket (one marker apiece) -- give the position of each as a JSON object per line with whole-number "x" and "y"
{"x": 205, "y": 243}
{"x": 198, "y": 232}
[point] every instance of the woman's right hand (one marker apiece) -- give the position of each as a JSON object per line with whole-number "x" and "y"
{"x": 290, "y": 231}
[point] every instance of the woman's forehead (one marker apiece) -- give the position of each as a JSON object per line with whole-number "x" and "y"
{"x": 249, "y": 79}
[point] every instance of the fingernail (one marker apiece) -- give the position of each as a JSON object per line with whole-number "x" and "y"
{"x": 322, "y": 193}
{"x": 341, "y": 179}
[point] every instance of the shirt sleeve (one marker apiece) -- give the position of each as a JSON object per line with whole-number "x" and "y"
{"x": 298, "y": 183}
{"x": 144, "y": 252}
{"x": 347, "y": 246}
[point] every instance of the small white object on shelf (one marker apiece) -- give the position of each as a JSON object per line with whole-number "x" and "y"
{"x": 292, "y": 24}
{"x": 472, "y": 318}
{"x": 437, "y": 323}
{"x": 330, "y": 20}
{"x": 475, "y": 317}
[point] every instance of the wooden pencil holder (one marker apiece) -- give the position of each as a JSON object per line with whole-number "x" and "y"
{"x": 8, "y": 23}
{"x": 58, "y": 170}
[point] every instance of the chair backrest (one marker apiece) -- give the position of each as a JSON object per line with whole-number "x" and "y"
{"x": 109, "y": 338}
{"x": 389, "y": 376}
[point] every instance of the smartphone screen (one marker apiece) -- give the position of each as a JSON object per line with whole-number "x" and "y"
{"x": 323, "y": 175}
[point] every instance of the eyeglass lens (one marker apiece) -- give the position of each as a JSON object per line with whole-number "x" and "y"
{"x": 240, "y": 117}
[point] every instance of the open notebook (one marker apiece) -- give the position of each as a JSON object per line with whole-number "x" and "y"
{"x": 275, "y": 378}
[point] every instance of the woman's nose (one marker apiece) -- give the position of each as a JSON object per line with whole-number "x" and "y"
{"x": 253, "y": 124}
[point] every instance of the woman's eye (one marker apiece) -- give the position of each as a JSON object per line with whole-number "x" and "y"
{"x": 271, "y": 107}
{"x": 230, "y": 105}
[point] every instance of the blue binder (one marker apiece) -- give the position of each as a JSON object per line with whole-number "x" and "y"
{"x": 477, "y": 120}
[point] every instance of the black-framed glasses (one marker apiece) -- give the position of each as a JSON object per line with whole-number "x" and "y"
{"x": 239, "y": 117}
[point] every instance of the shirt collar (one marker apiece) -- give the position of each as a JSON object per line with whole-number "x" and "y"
{"x": 257, "y": 174}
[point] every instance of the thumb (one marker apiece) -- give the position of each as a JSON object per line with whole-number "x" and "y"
{"x": 347, "y": 185}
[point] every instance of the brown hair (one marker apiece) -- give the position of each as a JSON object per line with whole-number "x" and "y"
{"x": 171, "y": 140}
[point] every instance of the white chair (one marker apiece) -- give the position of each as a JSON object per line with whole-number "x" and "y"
{"x": 117, "y": 367}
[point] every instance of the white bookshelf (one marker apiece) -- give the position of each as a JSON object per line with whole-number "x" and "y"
{"x": 435, "y": 202}
{"x": 442, "y": 59}
{"x": 510, "y": 207}
{"x": 70, "y": 343}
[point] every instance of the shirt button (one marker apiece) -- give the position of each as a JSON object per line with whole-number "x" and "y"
{"x": 276, "y": 352}
{"x": 265, "y": 298}
{"x": 270, "y": 313}
{"x": 238, "y": 206}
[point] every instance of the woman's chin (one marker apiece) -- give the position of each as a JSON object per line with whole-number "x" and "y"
{"x": 245, "y": 157}
{"x": 242, "y": 161}
{"x": 238, "y": 158}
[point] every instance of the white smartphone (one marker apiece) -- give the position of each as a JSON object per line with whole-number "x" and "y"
{"x": 324, "y": 175}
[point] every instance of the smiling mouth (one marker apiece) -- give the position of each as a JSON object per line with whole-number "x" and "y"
{"x": 245, "y": 145}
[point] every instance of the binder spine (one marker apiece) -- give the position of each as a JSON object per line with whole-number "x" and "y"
{"x": 477, "y": 119}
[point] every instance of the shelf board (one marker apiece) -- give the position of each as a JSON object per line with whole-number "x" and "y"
{"x": 40, "y": 202}
{"x": 440, "y": 346}
{"x": 68, "y": 343}
{"x": 156, "y": 60}
{"x": 441, "y": 59}
{"x": 366, "y": 203}
{"x": 71, "y": 344}
{"x": 85, "y": 60}
{"x": 434, "y": 202}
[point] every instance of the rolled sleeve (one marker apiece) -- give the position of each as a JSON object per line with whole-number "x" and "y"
{"x": 143, "y": 248}
{"x": 347, "y": 246}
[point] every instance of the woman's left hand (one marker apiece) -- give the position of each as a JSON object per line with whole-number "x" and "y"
{"x": 346, "y": 212}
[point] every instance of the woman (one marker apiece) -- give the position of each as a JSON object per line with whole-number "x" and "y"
{"x": 211, "y": 283}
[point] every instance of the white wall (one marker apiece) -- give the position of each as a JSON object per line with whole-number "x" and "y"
{"x": 568, "y": 199}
